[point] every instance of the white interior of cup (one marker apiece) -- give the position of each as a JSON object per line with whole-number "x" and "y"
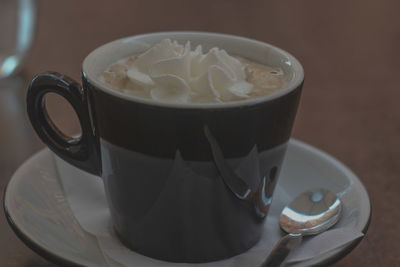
{"x": 99, "y": 59}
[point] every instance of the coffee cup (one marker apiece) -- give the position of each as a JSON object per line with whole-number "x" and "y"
{"x": 185, "y": 182}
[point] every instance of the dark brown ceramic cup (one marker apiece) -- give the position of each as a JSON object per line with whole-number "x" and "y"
{"x": 184, "y": 182}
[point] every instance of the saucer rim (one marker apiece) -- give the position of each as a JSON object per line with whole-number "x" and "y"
{"x": 31, "y": 244}
{"x": 57, "y": 259}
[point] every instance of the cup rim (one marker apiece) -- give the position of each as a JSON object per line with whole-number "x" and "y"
{"x": 290, "y": 86}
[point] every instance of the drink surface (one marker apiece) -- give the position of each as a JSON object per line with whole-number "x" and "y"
{"x": 174, "y": 73}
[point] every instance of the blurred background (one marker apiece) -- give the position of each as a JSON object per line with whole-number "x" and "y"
{"x": 349, "y": 107}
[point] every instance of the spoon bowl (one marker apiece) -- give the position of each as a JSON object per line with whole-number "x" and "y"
{"x": 310, "y": 213}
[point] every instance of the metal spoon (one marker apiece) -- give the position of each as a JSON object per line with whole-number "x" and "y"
{"x": 311, "y": 213}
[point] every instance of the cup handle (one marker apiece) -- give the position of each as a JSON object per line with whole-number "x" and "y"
{"x": 82, "y": 152}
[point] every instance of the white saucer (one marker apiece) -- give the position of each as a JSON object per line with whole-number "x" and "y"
{"x": 39, "y": 213}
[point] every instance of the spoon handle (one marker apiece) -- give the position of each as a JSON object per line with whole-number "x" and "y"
{"x": 282, "y": 250}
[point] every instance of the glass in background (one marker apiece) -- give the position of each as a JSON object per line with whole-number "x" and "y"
{"x": 17, "y": 28}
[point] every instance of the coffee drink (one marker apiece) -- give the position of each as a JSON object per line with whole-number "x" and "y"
{"x": 187, "y": 146}
{"x": 172, "y": 72}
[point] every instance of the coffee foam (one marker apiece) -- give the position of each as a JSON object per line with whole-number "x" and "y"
{"x": 171, "y": 72}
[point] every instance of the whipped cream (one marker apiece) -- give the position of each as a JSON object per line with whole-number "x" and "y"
{"x": 175, "y": 73}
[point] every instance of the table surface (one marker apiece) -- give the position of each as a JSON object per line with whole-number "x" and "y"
{"x": 349, "y": 107}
